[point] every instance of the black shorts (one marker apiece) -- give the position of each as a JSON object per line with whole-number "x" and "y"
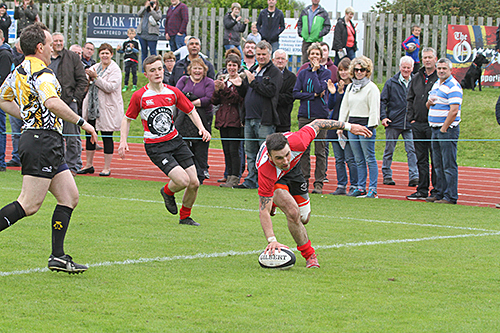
{"x": 294, "y": 181}
{"x": 169, "y": 154}
{"x": 42, "y": 153}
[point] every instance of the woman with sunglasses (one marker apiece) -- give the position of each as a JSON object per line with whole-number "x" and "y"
{"x": 361, "y": 105}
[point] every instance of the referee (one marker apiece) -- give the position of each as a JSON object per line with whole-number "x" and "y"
{"x": 35, "y": 88}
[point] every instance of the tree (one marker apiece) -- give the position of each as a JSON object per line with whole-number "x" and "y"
{"x": 476, "y": 8}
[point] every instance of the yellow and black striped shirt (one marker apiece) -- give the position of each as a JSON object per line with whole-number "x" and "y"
{"x": 30, "y": 85}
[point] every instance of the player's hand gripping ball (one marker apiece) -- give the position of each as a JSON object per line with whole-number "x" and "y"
{"x": 284, "y": 259}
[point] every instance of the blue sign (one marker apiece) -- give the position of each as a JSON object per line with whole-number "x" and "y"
{"x": 112, "y": 28}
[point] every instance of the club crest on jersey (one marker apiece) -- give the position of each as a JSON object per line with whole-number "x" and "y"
{"x": 149, "y": 102}
{"x": 160, "y": 121}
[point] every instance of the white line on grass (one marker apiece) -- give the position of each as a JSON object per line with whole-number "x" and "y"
{"x": 234, "y": 253}
{"x": 312, "y": 215}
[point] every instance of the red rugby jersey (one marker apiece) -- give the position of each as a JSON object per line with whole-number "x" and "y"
{"x": 156, "y": 110}
{"x": 268, "y": 172}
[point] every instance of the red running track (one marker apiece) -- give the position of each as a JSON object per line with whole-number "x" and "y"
{"x": 476, "y": 186}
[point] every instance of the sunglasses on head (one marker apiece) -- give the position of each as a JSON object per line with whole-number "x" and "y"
{"x": 362, "y": 70}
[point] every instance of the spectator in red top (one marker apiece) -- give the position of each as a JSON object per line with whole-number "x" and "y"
{"x": 344, "y": 38}
{"x": 175, "y": 24}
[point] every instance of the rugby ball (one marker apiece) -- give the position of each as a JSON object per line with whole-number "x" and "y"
{"x": 284, "y": 259}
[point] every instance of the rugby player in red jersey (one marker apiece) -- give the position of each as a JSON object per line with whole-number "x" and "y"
{"x": 281, "y": 183}
{"x": 156, "y": 103}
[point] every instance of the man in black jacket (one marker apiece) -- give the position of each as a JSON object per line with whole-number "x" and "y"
{"x": 394, "y": 117}
{"x": 6, "y": 60}
{"x": 285, "y": 99}
{"x": 270, "y": 24}
{"x": 70, "y": 73}
{"x": 5, "y": 22}
{"x": 264, "y": 81}
{"x": 344, "y": 37}
{"x": 418, "y": 93}
{"x": 180, "y": 68}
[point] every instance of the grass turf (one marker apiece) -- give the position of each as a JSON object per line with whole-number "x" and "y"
{"x": 387, "y": 266}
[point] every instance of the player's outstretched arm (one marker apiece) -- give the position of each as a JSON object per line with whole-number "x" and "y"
{"x": 327, "y": 124}
{"x": 124, "y": 130}
{"x": 62, "y": 110}
{"x": 265, "y": 205}
{"x": 195, "y": 118}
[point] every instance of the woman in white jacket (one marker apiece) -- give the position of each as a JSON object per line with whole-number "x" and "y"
{"x": 361, "y": 105}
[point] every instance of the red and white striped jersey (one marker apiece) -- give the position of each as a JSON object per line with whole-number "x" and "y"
{"x": 157, "y": 110}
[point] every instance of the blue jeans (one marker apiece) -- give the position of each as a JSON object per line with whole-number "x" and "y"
{"x": 275, "y": 46}
{"x": 444, "y": 157}
{"x": 351, "y": 54}
{"x": 176, "y": 42}
{"x": 254, "y": 130}
{"x": 392, "y": 134}
{"x": 230, "y": 46}
{"x": 3, "y": 139}
{"x": 364, "y": 154}
{"x": 343, "y": 156}
{"x": 15, "y": 125}
{"x": 144, "y": 47}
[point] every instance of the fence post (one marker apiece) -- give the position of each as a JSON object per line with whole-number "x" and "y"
{"x": 212, "y": 34}
{"x": 381, "y": 48}
{"x": 220, "y": 48}
{"x": 390, "y": 43}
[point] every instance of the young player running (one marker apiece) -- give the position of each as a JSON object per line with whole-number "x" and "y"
{"x": 155, "y": 103}
{"x": 282, "y": 184}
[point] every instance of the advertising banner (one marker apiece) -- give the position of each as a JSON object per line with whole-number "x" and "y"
{"x": 292, "y": 43}
{"x": 112, "y": 28}
{"x": 465, "y": 42}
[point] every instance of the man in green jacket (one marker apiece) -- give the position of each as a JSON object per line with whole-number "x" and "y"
{"x": 313, "y": 24}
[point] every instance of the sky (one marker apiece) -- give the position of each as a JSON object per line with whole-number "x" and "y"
{"x": 359, "y": 6}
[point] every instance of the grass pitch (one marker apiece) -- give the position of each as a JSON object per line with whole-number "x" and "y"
{"x": 386, "y": 266}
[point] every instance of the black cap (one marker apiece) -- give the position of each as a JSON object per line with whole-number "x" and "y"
{"x": 3, "y": 5}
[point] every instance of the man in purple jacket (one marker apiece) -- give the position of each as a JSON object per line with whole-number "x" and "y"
{"x": 176, "y": 23}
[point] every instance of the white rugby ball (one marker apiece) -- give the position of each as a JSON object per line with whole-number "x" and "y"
{"x": 411, "y": 45}
{"x": 284, "y": 259}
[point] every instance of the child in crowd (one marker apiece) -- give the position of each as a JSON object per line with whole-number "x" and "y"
{"x": 412, "y": 46}
{"x": 131, "y": 58}
{"x": 168, "y": 65}
{"x": 254, "y": 35}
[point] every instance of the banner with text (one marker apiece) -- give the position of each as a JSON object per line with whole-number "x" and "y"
{"x": 465, "y": 42}
{"x": 292, "y": 43}
{"x": 112, "y": 28}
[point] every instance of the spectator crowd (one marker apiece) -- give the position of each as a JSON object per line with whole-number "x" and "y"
{"x": 253, "y": 96}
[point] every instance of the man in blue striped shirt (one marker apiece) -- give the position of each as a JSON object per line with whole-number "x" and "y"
{"x": 444, "y": 103}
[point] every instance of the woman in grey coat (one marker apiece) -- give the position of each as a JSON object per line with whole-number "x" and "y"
{"x": 233, "y": 27}
{"x": 148, "y": 29}
{"x": 25, "y": 14}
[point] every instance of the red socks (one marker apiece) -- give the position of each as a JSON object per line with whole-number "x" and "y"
{"x": 167, "y": 190}
{"x": 306, "y": 250}
{"x": 186, "y": 212}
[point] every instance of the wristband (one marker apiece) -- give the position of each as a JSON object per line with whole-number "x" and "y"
{"x": 347, "y": 126}
{"x": 80, "y": 122}
{"x": 271, "y": 239}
